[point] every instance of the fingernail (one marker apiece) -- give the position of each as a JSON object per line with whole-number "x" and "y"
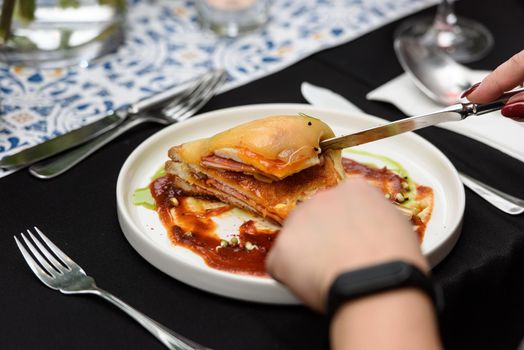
{"x": 470, "y": 90}
{"x": 513, "y": 110}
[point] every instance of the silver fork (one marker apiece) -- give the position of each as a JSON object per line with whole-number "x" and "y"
{"x": 181, "y": 108}
{"x": 65, "y": 275}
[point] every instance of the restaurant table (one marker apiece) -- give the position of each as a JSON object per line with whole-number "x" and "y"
{"x": 482, "y": 278}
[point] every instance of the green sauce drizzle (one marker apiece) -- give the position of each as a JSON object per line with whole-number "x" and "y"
{"x": 392, "y": 165}
{"x": 142, "y": 196}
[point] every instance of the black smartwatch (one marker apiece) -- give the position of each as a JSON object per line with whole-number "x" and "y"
{"x": 378, "y": 278}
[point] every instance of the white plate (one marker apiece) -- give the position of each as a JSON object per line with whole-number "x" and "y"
{"x": 142, "y": 228}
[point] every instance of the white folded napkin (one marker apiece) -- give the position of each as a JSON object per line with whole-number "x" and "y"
{"x": 492, "y": 129}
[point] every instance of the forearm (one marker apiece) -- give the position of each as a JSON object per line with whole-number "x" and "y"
{"x": 401, "y": 319}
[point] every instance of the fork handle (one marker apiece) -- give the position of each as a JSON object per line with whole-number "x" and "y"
{"x": 169, "y": 338}
{"x": 57, "y": 165}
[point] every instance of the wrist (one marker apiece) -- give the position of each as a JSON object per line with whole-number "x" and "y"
{"x": 401, "y": 318}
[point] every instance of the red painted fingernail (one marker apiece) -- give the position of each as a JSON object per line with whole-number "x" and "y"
{"x": 470, "y": 90}
{"x": 513, "y": 110}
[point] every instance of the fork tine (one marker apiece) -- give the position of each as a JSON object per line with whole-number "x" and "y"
{"x": 202, "y": 81}
{"x": 68, "y": 262}
{"x": 184, "y": 110}
{"x": 214, "y": 85}
{"x": 196, "y": 104}
{"x": 175, "y": 106}
{"x": 217, "y": 79}
{"x": 43, "y": 262}
{"x": 190, "y": 110}
{"x": 37, "y": 270}
{"x": 190, "y": 91}
{"x": 57, "y": 264}
{"x": 203, "y": 90}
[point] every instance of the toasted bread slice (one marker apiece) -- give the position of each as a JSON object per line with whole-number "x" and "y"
{"x": 273, "y": 200}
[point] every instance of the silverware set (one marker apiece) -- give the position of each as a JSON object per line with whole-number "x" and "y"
{"x": 60, "y": 154}
{"x": 59, "y": 272}
{"x": 50, "y": 264}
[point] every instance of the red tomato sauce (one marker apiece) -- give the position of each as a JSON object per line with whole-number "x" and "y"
{"x": 196, "y": 230}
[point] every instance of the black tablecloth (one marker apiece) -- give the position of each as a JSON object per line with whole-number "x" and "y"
{"x": 481, "y": 278}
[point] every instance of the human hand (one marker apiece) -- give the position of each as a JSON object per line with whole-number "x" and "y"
{"x": 337, "y": 230}
{"x": 507, "y": 76}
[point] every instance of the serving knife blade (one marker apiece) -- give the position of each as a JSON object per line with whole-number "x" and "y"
{"x": 453, "y": 113}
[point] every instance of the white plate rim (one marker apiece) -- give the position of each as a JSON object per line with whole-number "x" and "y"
{"x": 160, "y": 256}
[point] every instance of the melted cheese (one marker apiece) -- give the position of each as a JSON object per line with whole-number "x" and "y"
{"x": 276, "y": 145}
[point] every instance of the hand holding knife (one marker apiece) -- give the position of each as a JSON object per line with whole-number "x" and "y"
{"x": 318, "y": 96}
{"x": 455, "y": 112}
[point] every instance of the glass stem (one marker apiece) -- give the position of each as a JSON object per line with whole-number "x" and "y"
{"x": 445, "y": 18}
{"x": 8, "y": 8}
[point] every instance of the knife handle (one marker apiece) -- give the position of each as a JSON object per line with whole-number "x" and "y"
{"x": 483, "y": 108}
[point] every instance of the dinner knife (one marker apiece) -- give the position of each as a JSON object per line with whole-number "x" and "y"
{"x": 455, "y": 112}
{"x": 63, "y": 142}
{"x": 83, "y": 134}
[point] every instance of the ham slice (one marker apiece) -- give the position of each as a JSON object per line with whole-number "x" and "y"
{"x": 214, "y": 161}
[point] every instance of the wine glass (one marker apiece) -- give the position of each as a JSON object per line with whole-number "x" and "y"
{"x": 57, "y": 33}
{"x": 463, "y": 39}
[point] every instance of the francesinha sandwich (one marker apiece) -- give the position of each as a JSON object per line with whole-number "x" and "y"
{"x": 266, "y": 166}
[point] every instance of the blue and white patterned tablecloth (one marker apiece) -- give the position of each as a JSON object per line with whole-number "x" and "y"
{"x": 164, "y": 47}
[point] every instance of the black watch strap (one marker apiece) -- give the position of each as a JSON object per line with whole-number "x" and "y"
{"x": 378, "y": 278}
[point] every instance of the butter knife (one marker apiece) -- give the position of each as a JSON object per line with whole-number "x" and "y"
{"x": 81, "y": 135}
{"x": 455, "y": 112}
